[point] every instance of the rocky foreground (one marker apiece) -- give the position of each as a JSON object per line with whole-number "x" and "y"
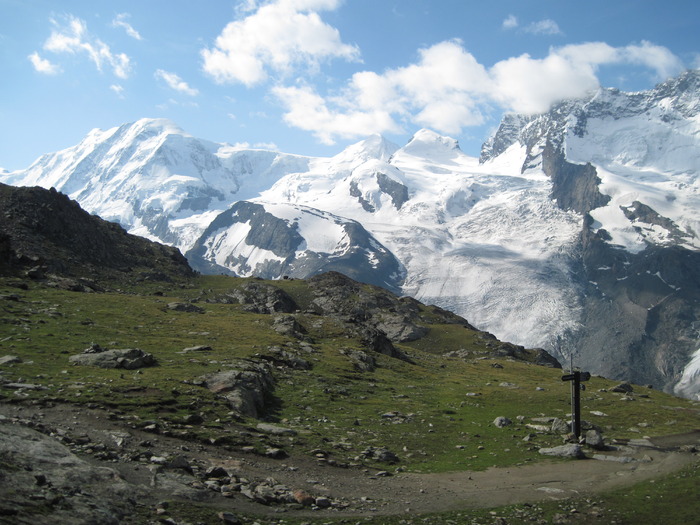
{"x": 64, "y": 464}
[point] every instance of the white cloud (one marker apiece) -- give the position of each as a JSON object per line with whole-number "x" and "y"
{"x": 278, "y": 37}
{"x": 307, "y": 110}
{"x": 448, "y": 90}
{"x": 42, "y": 65}
{"x": 658, "y": 58}
{"x": 511, "y": 22}
{"x": 175, "y": 82}
{"x": 120, "y": 21}
{"x": 543, "y": 27}
{"x": 74, "y": 38}
{"x": 118, "y": 89}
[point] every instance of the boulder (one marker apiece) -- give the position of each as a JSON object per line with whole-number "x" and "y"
{"x": 564, "y": 451}
{"x": 9, "y": 360}
{"x": 623, "y": 388}
{"x": 245, "y": 387}
{"x": 501, "y": 422}
{"x": 560, "y": 426}
{"x": 594, "y": 439}
{"x": 128, "y": 358}
{"x": 185, "y": 307}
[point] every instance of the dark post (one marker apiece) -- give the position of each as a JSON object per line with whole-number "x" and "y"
{"x": 576, "y": 377}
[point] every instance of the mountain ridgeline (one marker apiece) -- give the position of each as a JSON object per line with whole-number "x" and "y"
{"x": 575, "y": 231}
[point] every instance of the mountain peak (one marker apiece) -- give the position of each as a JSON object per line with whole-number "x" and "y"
{"x": 428, "y": 143}
{"x": 373, "y": 147}
{"x": 158, "y": 125}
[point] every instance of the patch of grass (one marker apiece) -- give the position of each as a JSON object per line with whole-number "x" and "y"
{"x": 443, "y": 408}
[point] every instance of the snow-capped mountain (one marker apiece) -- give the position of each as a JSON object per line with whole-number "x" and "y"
{"x": 273, "y": 239}
{"x": 156, "y": 180}
{"x": 577, "y": 230}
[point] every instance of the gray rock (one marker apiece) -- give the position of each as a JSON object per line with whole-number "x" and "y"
{"x": 616, "y": 459}
{"x": 129, "y": 359}
{"x": 560, "y": 426}
{"x": 594, "y": 439}
{"x": 624, "y": 388}
{"x": 245, "y": 387}
{"x": 185, "y": 307}
{"x": 269, "y": 428}
{"x": 564, "y": 451}
{"x": 229, "y": 517}
{"x": 275, "y": 453}
{"x": 502, "y": 422}
{"x": 380, "y": 454}
{"x": 362, "y": 361}
{"x": 198, "y": 348}
{"x": 71, "y": 490}
{"x": 288, "y": 325}
{"x": 322, "y": 502}
{"x": 283, "y": 358}
{"x": 9, "y": 360}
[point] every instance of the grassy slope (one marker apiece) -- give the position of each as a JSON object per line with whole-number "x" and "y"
{"x": 332, "y": 406}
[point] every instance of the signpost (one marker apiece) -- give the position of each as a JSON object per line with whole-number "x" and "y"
{"x": 576, "y": 377}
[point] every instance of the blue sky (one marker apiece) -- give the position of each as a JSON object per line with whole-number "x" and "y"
{"x": 312, "y": 76}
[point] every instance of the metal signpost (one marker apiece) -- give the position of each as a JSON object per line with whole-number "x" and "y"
{"x": 576, "y": 377}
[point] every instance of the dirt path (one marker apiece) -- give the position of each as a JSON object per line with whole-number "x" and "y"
{"x": 362, "y": 491}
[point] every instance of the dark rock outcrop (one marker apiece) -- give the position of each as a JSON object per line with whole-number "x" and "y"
{"x": 46, "y": 231}
{"x": 259, "y": 298}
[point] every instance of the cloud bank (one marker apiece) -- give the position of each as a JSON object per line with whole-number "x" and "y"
{"x": 445, "y": 88}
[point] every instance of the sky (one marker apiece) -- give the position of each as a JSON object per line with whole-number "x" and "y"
{"x": 312, "y": 76}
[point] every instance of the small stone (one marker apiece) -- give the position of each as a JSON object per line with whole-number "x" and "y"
{"x": 323, "y": 502}
{"x": 216, "y": 472}
{"x": 275, "y": 453}
{"x": 303, "y": 498}
{"x": 179, "y": 462}
{"x": 624, "y": 388}
{"x": 229, "y": 517}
